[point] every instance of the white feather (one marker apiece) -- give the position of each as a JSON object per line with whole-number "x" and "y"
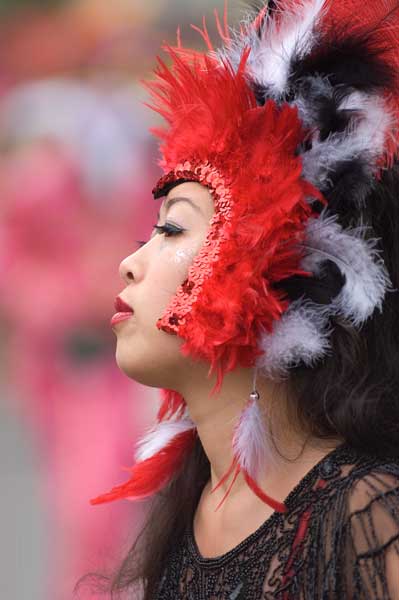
{"x": 159, "y": 436}
{"x": 251, "y": 443}
{"x": 291, "y": 35}
{"x": 366, "y": 137}
{"x": 374, "y": 124}
{"x": 306, "y": 103}
{"x": 302, "y": 334}
{"x": 358, "y": 258}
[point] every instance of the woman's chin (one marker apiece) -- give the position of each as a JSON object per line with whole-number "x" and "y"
{"x": 155, "y": 362}
{"x": 137, "y": 368}
{"x": 129, "y": 365}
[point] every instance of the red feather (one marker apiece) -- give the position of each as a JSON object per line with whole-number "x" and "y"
{"x": 278, "y": 506}
{"x": 151, "y": 475}
{"x": 172, "y": 404}
{"x": 212, "y": 116}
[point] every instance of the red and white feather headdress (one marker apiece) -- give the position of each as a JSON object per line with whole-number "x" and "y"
{"x": 289, "y": 125}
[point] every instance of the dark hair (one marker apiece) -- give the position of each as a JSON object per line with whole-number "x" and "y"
{"x": 352, "y": 394}
{"x": 355, "y": 392}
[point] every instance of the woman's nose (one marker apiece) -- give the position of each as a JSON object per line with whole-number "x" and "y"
{"x": 127, "y": 271}
{"x": 132, "y": 267}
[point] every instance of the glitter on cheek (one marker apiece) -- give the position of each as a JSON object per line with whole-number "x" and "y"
{"x": 178, "y": 259}
{"x": 184, "y": 256}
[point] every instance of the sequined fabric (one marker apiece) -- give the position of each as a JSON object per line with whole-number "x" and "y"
{"x": 201, "y": 268}
{"x": 338, "y": 540}
{"x": 262, "y": 205}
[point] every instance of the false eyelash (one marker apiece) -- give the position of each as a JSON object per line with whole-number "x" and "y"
{"x": 168, "y": 229}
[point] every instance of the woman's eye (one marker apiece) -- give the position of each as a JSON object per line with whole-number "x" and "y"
{"x": 168, "y": 229}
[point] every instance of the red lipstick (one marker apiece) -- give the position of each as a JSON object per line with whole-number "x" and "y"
{"x": 124, "y": 311}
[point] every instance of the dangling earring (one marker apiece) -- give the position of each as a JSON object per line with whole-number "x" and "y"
{"x": 251, "y": 449}
{"x": 254, "y": 395}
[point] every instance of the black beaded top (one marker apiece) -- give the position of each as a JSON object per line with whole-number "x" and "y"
{"x": 339, "y": 539}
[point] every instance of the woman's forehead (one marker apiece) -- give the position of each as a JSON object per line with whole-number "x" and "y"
{"x": 191, "y": 193}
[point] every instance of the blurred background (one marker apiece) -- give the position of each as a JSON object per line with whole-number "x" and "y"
{"x": 77, "y": 166}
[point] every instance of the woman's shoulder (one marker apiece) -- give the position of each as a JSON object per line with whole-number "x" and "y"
{"x": 362, "y": 521}
{"x": 364, "y": 479}
{"x": 372, "y": 503}
{"x": 373, "y": 478}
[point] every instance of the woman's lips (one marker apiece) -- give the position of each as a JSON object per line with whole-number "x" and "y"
{"x": 120, "y": 316}
{"x": 122, "y": 306}
{"x": 124, "y": 311}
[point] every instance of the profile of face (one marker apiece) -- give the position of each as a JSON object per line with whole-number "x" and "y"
{"x": 152, "y": 275}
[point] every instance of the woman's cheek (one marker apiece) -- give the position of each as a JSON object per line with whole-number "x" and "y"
{"x": 170, "y": 271}
{"x": 172, "y": 265}
{"x": 179, "y": 259}
{"x": 184, "y": 256}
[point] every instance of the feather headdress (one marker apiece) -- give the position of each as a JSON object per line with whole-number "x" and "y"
{"x": 289, "y": 124}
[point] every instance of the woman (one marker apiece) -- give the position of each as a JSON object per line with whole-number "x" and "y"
{"x": 265, "y": 305}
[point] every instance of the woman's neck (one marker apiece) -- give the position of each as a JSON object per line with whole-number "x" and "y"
{"x": 216, "y": 415}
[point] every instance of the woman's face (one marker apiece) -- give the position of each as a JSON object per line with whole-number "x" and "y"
{"x": 152, "y": 275}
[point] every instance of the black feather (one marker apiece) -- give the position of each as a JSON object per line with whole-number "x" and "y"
{"x": 323, "y": 103}
{"x": 350, "y": 185}
{"x": 321, "y": 289}
{"x": 352, "y": 59}
{"x": 260, "y": 92}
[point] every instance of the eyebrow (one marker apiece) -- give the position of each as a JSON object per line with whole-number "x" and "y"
{"x": 171, "y": 201}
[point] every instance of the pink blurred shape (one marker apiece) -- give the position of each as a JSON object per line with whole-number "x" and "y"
{"x": 60, "y": 251}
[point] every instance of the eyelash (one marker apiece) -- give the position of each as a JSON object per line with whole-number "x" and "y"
{"x": 168, "y": 230}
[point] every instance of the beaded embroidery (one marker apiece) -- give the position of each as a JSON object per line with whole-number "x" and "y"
{"x": 333, "y": 543}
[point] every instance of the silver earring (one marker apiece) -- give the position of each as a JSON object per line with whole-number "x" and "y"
{"x": 254, "y": 395}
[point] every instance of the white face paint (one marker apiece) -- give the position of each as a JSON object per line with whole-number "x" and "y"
{"x": 184, "y": 256}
